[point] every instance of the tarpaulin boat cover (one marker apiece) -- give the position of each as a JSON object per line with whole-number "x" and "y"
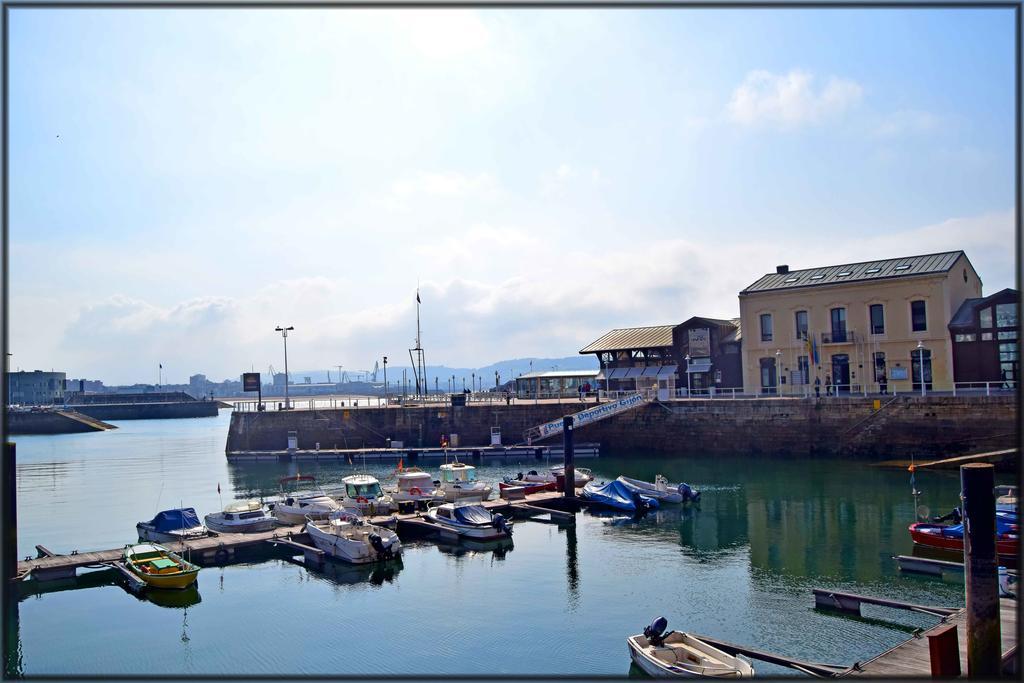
{"x": 173, "y": 520}
{"x": 472, "y": 514}
{"x": 1006, "y": 522}
{"x": 615, "y": 494}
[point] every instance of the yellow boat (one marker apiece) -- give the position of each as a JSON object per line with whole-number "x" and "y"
{"x": 159, "y": 567}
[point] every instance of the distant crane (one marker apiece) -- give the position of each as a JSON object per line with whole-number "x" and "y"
{"x": 375, "y": 364}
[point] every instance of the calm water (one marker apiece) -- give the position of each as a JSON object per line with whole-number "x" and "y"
{"x": 741, "y": 568}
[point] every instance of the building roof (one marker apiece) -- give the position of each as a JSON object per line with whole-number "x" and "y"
{"x": 734, "y": 336}
{"x": 558, "y": 373}
{"x": 623, "y": 339}
{"x": 964, "y": 316}
{"x": 906, "y": 266}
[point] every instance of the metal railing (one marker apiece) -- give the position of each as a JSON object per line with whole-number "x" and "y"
{"x": 839, "y": 337}
{"x": 710, "y": 392}
{"x": 1007, "y": 386}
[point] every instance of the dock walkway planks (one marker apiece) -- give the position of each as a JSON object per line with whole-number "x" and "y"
{"x": 911, "y": 658}
{"x": 206, "y": 549}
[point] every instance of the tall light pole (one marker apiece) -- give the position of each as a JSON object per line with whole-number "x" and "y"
{"x": 921, "y": 361}
{"x": 284, "y": 334}
{"x": 7, "y": 378}
{"x": 385, "y": 380}
{"x": 496, "y": 380}
{"x": 472, "y": 381}
{"x": 778, "y": 372}
{"x": 687, "y": 359}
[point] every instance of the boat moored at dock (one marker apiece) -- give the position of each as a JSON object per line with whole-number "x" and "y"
{"x": 348, "y": 537}
{"x": 471, "y": 521}
{"x": 247, "y": 516}
{"x": 458, "y": 481}
{"x": 617, "y": 496}
{"x": 416, "y": 485}
{"x": 298, "y": 504}
{"x": 364, "y": 495}
{"x": 682, "y": 655}
{"x": 951, "y": 536}
{"x": 179, "y": 524}
{"x": 662, "y": 490}
{"x": 159, "y": 567}
{"x": 582, "y": 475}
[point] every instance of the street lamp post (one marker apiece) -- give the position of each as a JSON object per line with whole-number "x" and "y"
{"x": 920, "y": 362}
{"x": 687, "y": 359}
{"x": 778, "y": 372}
{"x": 472, "y": 381}
{"x": 284, "y": 334}
{"x": 7, "y": 379}
{"x": 385, "y": 381}
{"x": 496, "y": 380}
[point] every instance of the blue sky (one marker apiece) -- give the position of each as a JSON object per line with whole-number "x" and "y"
{"x": 543, "y": 175}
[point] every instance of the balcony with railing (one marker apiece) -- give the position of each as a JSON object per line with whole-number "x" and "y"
{"x": 838, "y": 337}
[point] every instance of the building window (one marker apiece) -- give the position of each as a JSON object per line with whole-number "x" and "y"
{"x": 1008, "y": 334}
{"x": 965, "y": 337}
{"x": 838, "y": 325}
{"x": 766, "y": 327}
{"x": 768, "y": 376}
{"x": 877, "y": 319}
{"x": 803, "y": 369}
{"x": 986, "y": 317}
{"x": 879, "y": 365}
{"x": 1006, "y": 315}
{"x": 918, "y": 320}
{"x": 916, "y": 356}
{"x": 801, "y": 324}
{"x": 986, "y": 336}
{"x": 1008, "y": 352}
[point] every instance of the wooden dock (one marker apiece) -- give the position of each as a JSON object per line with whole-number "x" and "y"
{"x": 911, "y": 658}
{"x": 222, "y": 547}
{"x": 412, "y": 454}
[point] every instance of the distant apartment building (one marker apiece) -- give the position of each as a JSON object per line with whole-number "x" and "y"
{"x": 198, "y": 385}
{"x": 36, "y": 388}
{"x": 854, "y": 324}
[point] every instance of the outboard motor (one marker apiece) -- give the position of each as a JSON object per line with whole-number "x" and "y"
{"x": 655, "y": 632}
{"x": 499, "y": 523}
{"x": 641, "y": 505}
{"x": 378, "y": 544}
{"x": 519, "y": 476}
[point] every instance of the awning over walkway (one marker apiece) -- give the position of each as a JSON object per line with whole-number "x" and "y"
{"x": 699, "y": 365}
{"x": 667, "y": 370}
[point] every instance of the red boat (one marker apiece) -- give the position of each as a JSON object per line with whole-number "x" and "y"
{"x": 949, "y": 537}
{"x": 530, "y": 486}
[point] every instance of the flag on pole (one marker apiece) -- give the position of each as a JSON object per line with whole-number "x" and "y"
{"x": 218, "y": 487}
{"x": 400, "y": 465}
{"x": 161, "y": 366}
{"x": 417, "y": 296}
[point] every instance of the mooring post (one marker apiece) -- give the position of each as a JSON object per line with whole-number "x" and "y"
{"x": 10, "y": 568}
{"x": 569, "y": 487}
{"x": 981, "y": 579}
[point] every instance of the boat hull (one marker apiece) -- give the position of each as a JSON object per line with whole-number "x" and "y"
{"x": 148, "y": 533}
{"x": 355, "y": 549}
{"x": 529, "y": 486}
{"x": 643, "y": 656}
{"x": 476, "y": 533}
{"x": 928, "y": 535}
{"x": 652, "y": 491}
{"x": 241, "y": 527}
{"x": 179, "y": 579}
{"x": 454, "y": 495}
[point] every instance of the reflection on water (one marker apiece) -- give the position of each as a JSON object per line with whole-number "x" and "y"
{"x": 740, "y": 566}
{"x": 173, "y": 598}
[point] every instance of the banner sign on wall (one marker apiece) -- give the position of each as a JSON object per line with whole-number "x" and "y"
{"x": 700, "y": 343}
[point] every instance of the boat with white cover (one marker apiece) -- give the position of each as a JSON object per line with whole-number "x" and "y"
{"x": 458, "y": 481}
{"x": 470, "y": 521}
{"x": 364, "y": 494}
{"x": 682, "y": 655}
{"x": 582, "y": 475}
{"x": 346, "y": 536}
{"x": 246, "y": 516}
{"x": 416, "y": 485}
{"x": 180, "y": 524}
{"x": 662, "y": 490}
{"x": 296, "y": 504}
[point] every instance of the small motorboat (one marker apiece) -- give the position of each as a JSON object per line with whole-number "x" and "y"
{"x": 1006, "y": 498}
{"x": 458, "y": 481}
{"x": 296, "y": 504}
{"x": 245, "y": 516}
{"x": 179, "y": 524}
{"x": 682, "y": 655}
{"x": 582, "y": 475}
{"x": 528, "y": 486}
{"x": 364, "y": 495}
{"x": 470, "y": 521}
{"x": 416, "y": 485}
{"x": 617, "y": 495}
{"x": 346, "y": 536}
{"x": 662, "y": 490}
{"x": 159, "y": 567}
{"x": 951, "y": 536}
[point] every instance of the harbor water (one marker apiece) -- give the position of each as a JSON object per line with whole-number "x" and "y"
{"x": 557, "y": 600}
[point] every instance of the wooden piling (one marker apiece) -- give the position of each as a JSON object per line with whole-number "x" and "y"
{"x": 570, "y": 468}
{"x": 944, "y": 652}
{"x": 10, "y": 568}
{"x": 981, "y": 579}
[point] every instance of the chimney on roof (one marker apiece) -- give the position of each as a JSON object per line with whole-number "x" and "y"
{"x": 781, "y": 270}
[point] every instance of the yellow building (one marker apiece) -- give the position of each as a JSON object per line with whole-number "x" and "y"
{"x": 855, "y": 326}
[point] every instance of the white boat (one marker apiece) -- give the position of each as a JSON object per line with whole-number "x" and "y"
{"x": 180, "y": 524}
{"x": 682, "y": 655}
{"x": 346, "y": 536}
{"x": 245, "y": 516}
{"x": 582, "y": 475}
{"x": 364, "y": 495}
{"x": 416, "y": 485}
{"x": 295, "y": 505}
{"x": 662, "y": 489}
{"x": 470, "y": 521}
{"x": 458, "y": 481}
{"x": 1006, "y": 498}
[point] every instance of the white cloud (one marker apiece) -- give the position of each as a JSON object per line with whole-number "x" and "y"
{"x": 790, "y": 99}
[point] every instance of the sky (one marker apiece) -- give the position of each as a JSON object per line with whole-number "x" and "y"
{"x": 184, "y": 181}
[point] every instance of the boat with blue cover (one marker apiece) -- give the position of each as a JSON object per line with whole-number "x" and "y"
{"x": 179, "y": 524}
{"x": 615, "y": 494}
{"x": 470, "y": 521}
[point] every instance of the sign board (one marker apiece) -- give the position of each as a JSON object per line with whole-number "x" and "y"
{"x": 898, "y": 373}
{"x": 592, "y": 414}
{"x": 700, "y": 343}
{"x": 250, "y": 381}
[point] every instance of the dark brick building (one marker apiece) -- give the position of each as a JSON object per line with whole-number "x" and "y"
{"x": 985, "y": 335}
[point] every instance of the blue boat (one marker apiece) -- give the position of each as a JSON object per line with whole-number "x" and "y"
{"x": 617, "y": 495}
{"x": 180, "y": 524}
